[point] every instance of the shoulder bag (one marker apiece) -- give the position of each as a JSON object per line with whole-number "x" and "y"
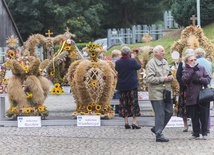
{"x": 206, "y": 95}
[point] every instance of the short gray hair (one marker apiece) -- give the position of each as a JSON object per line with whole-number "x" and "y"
{"x": 157, "y": 48}
{"x": 125, "y": 50}
{"x": 200, "y": 52}
{"x": 189, "y": 51}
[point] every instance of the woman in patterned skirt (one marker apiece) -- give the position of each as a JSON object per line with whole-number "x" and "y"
{"x": 127, "y": 84}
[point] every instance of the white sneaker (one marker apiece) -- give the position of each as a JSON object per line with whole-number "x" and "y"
{"x": 205, "y": 137}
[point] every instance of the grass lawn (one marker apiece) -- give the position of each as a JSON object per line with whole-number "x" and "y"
{"x": 168, "y": 40}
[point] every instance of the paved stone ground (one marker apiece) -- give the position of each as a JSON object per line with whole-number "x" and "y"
{"x": 112, "y": 139}
{"x": 104, "y": 140}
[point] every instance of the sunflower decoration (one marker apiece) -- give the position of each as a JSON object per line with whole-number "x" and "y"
{"x": 42, "y": 111}
{"x": 57, "y": 89}
{"x": 26, "y": 69}
{"x": 29, "y": 95}
{"x": 98, "y": 107}
{"x": 41, "y": 108}
{"x": 11, "y": 54}
{"x": 67, "y": 47}
{"x": 94, "y": 65}
{"x": 94, "y": 83}
{"x": 93, "y": 50}
{"x": 52, "y": 73}
{"x": 4, "y": 81}
{"x": 11, "y": 111}
{"x": 89, "y": 108}
{"x": 27, "y": 110}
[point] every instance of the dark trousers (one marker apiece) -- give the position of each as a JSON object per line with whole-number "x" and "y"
{"x": 163, "y": 113}
{"x": 199, "y": 113}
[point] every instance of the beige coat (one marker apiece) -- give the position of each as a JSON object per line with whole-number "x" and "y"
{"x": 156, "y": 70}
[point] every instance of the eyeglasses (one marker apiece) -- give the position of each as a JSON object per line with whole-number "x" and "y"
{"x": 192, "y": 60}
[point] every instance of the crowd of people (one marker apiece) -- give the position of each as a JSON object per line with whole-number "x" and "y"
{"x": 193, "y": 73}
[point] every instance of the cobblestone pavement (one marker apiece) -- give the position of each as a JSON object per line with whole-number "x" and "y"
{"x": 103, "y": 140}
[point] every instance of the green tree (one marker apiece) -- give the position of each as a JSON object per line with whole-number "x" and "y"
{"x": 182, "y": 10}
{"x": 124, "y": 13}
{"x": 87, "y": 19}
{"x": 37, "y": 16}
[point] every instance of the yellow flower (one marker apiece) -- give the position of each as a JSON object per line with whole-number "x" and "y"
{"x": 92, "y": 54}
{"x": 67, "y": 48}
{"x": 73, "y": 54}
{"x": 27, "y": 110}
{"x": 56, "y": 85}
{"x": 52, "y": 73}
{"x": 58, "y": 91}
{"x": 94, "y": 66}
{"x": 13, "y": 109}
{"x": 41, "y": 108}
{"x": 89, "y": 108}
{"x": 29, "y": 95}
{"x": 4, "y": 80}
{"x": 26, "y": 69}
{"x": 98, "y": 113}
{"x": 93, "y": 103}
{"x": 53, "y": 91}
{"x": 82, "y": 113}
{"x": 11, "y": 54}
{"x": 94, "y": 83}
{"x": 98, "y": 107}
{"x": 93, "y": 46}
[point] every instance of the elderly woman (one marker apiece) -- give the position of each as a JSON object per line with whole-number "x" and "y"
{"x": 201, "y": 60}
{"x": 127, "y": 84}
{"x": 195, "y": 77}
{"x": 115, "y": 54}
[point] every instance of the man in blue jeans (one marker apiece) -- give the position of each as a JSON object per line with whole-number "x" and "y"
{"x": 158, "y": 79}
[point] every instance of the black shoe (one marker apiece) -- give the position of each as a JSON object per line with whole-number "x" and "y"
{"x": 127, "y": 126}
{"x": 135, "y": 126}
{"x": 153, "y": 129}
{"x": 162, "y": 140}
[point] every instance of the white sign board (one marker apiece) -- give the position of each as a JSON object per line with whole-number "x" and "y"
{"x": 29, "y": 121}
{"x": 175, "y": 122}
{"x": 83, "y": 120}
{"x": 143, "y": 95}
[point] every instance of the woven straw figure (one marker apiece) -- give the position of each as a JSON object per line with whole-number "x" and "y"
{"x": 92, "y": 84}
{"x": 59, "y": 64}
{"x": 193, "y": 37}
{"x": 27, "y": 89}
{"x": 12, "y": 53}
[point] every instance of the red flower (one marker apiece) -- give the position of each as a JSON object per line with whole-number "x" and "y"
{"x": 104, "y": 77}
{"x": 136, "y": 51}
{"x": 191, "y": 28}
{"x": 20, "y": 110}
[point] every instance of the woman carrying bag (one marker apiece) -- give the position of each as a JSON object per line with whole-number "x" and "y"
{"x": 195, "y": 77}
